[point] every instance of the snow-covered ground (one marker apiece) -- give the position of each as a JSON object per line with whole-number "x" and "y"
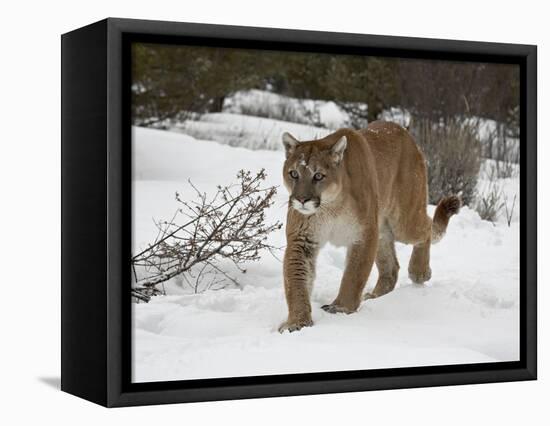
{"x": 468, "y": 313}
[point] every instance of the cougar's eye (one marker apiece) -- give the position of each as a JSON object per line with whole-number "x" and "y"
{"x": 293, "y": 174}
{"x": 318, "y": 176}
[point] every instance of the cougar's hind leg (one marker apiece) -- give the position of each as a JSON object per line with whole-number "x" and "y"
{"x": 420, "y": 237}
{"x": 387, "y": 264}
{"x": 419, "y": 265}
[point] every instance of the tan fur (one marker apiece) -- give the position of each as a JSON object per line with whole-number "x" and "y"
{"x": 373, "y": 192}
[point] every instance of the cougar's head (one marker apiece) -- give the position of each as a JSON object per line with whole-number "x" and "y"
{"x": 312, "y": 172}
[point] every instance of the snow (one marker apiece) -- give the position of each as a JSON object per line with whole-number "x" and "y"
{"x": 272, "y": 105}
{"x": 397, "y": 115}
{"x": 256, "y": 119}
{"x": 247, "y": 131}
{"x": 468, "y": 312}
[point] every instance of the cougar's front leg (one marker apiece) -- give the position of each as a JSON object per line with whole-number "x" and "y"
{"x": 360, "y": 259}
{"x": 299, "y": 274}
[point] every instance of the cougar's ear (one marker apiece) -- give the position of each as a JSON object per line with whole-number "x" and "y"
{"x": 290, "y": 143}
{"x": 338, "y": 149}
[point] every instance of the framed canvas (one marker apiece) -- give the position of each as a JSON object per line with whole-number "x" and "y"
{"x": 254, "y": 212}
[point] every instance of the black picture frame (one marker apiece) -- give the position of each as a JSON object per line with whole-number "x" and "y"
{"x": 96, "y": 356}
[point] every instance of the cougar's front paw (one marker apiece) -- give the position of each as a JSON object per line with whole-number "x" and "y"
{"x": 335, "y": 308}
{"x": 295, "y": 325}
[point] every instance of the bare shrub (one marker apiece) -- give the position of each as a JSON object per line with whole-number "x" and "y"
{"x": 504, "y": 150}
{"x": 453, "y": 155}
{"x": 490, "y": 203}
{"x": 283, "y": 108}
{"x": 357, "y": 112}
{"x": 229, "y": 226}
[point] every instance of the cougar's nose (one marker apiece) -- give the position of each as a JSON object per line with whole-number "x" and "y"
{"x": 303, "y": 200}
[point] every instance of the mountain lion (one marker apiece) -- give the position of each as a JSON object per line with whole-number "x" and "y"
{"x": 362, "y": 190}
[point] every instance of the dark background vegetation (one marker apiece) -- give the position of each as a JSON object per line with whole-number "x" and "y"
{"x": 172, "y": 79}
{"x": 446, "y": 100}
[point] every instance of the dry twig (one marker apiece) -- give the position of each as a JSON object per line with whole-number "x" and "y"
{"x": 230, "y": 226}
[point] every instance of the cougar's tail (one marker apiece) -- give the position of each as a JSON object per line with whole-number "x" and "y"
{"x": 446, "y": 208}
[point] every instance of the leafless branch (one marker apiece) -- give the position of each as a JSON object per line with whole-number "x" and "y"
{"x": 229, "y": 226}
{"x": 509, "y": 210}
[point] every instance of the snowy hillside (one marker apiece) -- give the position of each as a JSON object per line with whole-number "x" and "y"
{"x": 468, "y": 313}
{"x": 247, "y": 131}
{"x": 261, "y": 103}
{"x": 255, "y": 119}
